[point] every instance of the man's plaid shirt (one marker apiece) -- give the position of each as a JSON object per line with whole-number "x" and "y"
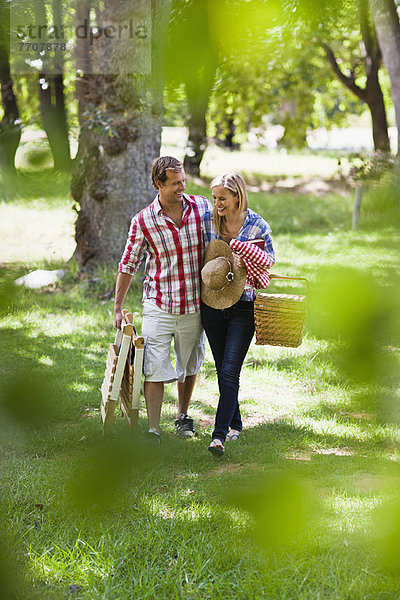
{"x": 254, "y": 227}
{"x": 173, "y": 255}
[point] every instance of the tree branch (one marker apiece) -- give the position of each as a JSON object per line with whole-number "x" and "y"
{"x": 349, "y": 82}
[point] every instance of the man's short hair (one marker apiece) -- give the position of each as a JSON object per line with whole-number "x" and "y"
{"x": 160, "y": 167}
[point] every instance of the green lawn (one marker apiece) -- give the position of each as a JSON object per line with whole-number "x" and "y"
{"x": 306, "y": 503}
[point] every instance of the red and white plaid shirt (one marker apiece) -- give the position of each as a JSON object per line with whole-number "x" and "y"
{"x": 174, "y": 255}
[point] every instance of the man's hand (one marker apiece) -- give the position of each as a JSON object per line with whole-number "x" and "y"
{"x": 121, "y": 288}
{"x": 117, "y": 317}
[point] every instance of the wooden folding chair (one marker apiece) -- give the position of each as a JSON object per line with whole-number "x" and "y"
{"x": 123, "y": 374}
{"x": 132, "y": 377}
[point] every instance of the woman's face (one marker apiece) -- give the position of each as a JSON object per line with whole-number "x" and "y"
{"x": 225, "y": 202}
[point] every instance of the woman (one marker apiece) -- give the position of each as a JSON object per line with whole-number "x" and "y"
{"x": 227, "y": 308}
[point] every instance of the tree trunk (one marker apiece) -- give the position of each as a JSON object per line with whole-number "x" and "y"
{"x": 226, "y": 134}
{"x": 51, "y": 97}
{"x": 54, "y": 119}
{"x": 197, "y": 140}
{"x": 388, "y": 30}
{"x": 371, "y": 95}
{"x": 120, "y": 137}
{"x": 229, "y": 143}
{"x": 198, "y": 93}
{"x": 377, "y": 109}
{"x": 194, "y": 59}
{"x": 10, "y": 127}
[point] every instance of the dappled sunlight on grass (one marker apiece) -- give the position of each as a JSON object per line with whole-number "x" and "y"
{"x": 349, "y": 431}
{"x": 82, "y": 562}
{"x": 164, "y": 508}
{"x": 64, "y": 321}
{"x": 347, "y": 510}
{"x": 79, "y": 387}
{"x": 46, "y": 360}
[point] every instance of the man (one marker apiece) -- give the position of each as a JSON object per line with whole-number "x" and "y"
{"x": 167, "y": 234}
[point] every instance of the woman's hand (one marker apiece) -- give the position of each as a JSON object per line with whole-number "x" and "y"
{"x": 237, "y": 260}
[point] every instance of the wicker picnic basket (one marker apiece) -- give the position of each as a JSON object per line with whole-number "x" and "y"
{"x": 280, "y": 318}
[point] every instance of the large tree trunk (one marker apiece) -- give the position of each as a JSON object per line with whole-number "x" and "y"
{"x": 120, "y": 137}
{"x": 51, "y": 97}
{"x": 387, "y": 25}
{"x": 10, "y": 127}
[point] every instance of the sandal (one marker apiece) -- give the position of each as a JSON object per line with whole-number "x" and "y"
{"x": 232, "y": 435}
{"x": 216, "y": 447}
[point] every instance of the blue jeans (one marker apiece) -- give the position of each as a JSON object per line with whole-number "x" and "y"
{"x": 229, "y": 333}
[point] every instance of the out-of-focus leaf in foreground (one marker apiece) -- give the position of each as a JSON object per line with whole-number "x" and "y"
{"x": 387, "y": 536}
{"x": 27, "y": 400}
{"x": 102, "y": 473}
{"x": 282, "y": 508}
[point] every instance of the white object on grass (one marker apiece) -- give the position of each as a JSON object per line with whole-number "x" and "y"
{"x": 40, "y": 278}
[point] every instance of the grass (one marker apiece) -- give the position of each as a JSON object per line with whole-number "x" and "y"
{"x": 304, "y": 505}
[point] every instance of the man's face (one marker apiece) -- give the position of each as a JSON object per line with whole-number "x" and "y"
{"x": 171, "y": 191}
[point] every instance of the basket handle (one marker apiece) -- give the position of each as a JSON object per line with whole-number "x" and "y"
{"x": 273, "y": 276}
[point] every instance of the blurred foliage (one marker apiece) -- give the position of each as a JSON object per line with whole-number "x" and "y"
{"x": 262, "y": 62}
{"x": 26, "y": 85}
{"x": 380, "y": 177}
{"x": 357, "y": 315}
{"x": 12, "y": 584}
{"x": 386, "y": 531}
{"x": 346, "y": 307}
{"x": 37, "y": 155}
{"x": 27, "y": 401}
{"x": 32, "y": 184}
{"x": 8, "y": 291}
{"x": 378, "y": 167}
{"x": 282, "y": 509}
{"x": 361, "y": 316}
{"x": 104, "y": 470}
{"x": 272, "y": 67}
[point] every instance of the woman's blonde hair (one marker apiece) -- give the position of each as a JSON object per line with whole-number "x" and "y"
{"x": 233, "y": 182}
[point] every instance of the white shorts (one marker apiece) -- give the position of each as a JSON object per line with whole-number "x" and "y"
{"x": 159, "y": 328}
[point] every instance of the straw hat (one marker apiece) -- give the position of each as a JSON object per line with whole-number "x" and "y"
{"x": 222, "y": 281}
